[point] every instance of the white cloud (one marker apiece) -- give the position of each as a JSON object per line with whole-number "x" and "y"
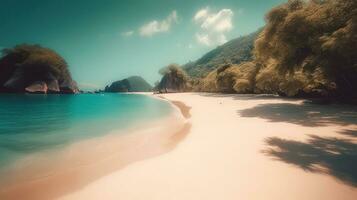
{"x": 213, "y": 26}
{"x": 201, "y": 14}
{"x": 156, "y": 26}
{"x": 127, "y": 33}
{"x": 203, "y": 39}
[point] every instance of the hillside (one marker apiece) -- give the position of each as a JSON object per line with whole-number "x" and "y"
{"x": 131, "y": 84}
{"x": 297, "y": 54}
{"x": 234, "y": 51}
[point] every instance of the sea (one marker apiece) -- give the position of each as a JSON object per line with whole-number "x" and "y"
{"x": 31, "y": 123}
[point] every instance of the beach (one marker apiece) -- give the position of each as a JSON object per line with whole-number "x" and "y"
{"x": 243, "y": 147}
{"x": 178, "y": 100}
{"x": 51, "y": 173}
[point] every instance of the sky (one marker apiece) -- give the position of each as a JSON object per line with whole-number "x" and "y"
{"x": 108, "y": 40}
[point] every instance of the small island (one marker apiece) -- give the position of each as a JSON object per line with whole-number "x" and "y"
{"x": 35, "y": 69}
{"x": 130, "y": 84}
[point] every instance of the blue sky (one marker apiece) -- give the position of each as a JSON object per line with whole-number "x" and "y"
{"x": 107, "y": 40}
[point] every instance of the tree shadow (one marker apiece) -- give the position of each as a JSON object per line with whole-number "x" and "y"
{"x": 305, "y": 114}
{"x": 245, "y": 96}
{"x": 349, "y": 132}
{"x": 332, "y": 156}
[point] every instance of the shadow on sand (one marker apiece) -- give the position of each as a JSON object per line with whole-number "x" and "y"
{"x": 244, "y": 96}
{"x": 349, "y": 132}
{"x": 305, "y": 114}
{"x": 332, "y": 156}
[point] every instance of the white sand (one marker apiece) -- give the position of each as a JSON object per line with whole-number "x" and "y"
{"x": 222, "y": 158}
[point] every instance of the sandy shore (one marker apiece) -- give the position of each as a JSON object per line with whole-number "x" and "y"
{"x": 245, "y": 147}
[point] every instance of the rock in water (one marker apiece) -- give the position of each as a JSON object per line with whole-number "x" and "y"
{"x": 37, "y": 87}
{"x": 69, "y": 87}
{"x": 52, "y": 86}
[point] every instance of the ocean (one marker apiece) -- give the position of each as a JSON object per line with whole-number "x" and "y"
{"x": 32, "y": 123}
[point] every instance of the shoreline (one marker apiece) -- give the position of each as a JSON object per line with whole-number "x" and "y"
{"x": 86, "y": 161}
{"x": 182, "y": 108}
{"x": 244, "y": 147}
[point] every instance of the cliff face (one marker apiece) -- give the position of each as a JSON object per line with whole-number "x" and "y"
{"x": 131, "y": 84}
{"x": 34, "y": 69}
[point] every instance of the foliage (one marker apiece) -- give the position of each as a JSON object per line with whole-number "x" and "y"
{"x": 34, "y": 61}
{"x": 235, "y": 51}
{"x": 130, "y": 84}
{"x": 312, "y": 37}
{"x": 237, "y": 78}
{"x": 174, "y": 79}
{"x": 208, "y": 83}
{"x": 306, "y": 49}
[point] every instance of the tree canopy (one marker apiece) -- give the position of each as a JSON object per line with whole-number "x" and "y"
{"x": 174, "y": 79}
{"x": 317, "y": 39}
{"x": 25, "y": 64}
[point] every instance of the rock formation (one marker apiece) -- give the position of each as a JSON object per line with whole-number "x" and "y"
{"x": 34, "y": 69}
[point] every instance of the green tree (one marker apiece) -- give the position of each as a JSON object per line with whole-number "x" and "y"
{"x": 174, "y": 79}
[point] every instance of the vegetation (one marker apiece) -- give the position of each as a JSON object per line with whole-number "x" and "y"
{"x": 306, "y": 49}
{"x": 25, "y": 64}
{"x": 174, "y": 79}
{"x": 206, "y": 84}
{"x": 235, "y": 51}
{"x": 237, "y": 78}
{"x": 131, "y": 84}
{"x": 312, "y": 46}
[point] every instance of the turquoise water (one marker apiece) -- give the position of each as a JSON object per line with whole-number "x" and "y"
{"x": 34, "y": 123}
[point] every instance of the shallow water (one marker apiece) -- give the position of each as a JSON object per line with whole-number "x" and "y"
{"x": 35, "y": 123}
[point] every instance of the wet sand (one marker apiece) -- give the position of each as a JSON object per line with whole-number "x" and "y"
{"x": 184, "y": 109}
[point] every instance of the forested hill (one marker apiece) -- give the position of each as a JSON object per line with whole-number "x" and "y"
{"x": 130, "y": 84}
{"x": 234, "y": 51}
{"x": 306, "y": 49}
